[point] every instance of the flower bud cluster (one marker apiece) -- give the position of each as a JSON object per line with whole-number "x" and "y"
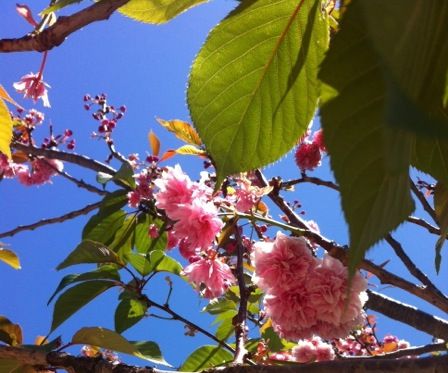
{"x": 309, "y": 152}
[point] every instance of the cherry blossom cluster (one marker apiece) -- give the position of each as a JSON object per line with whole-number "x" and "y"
{"x": 196, "y": 223}
{"x": 40, "y": 172}
{"x": 306, "y": 295}
{"x": 309, "y": 152}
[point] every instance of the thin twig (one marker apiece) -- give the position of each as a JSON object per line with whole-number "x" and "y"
{"x": 423, "y": 223}
{"x": 115, "y": 153}
{"x": 56, "y": 34}
{"x": 241, "y": 317}
{"x": 408, "y": 314}
{"x": 340, "y": 252}
{"x": 59, "y": 219}
{"x": 309, "y": 179}
{"x": 176, "y": 316}
{"x": 424, "y": 202}
{"x": 410, "y": 265}
{"x": 79, "y": 182}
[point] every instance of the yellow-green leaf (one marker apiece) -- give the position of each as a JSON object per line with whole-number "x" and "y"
{"x": 183, "y": 130}
{"x": 5, "y": 96}
{"x": 10, "y": 258}
{"x": 5, "y": 129}
{"x": 190, "y": 150}
{"x": 156, "y": 11}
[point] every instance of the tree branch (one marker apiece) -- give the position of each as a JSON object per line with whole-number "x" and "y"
{"x": 309, "y": 179}
{"x": 410, "y": 265}
{"x": 58, "y": 219}
{"x": 408, "y": 314}
{"x": 56, "y": 34}
{"x": 80, "y": 364}
{"x": 80, "y": 160}
{"x": 425, "y": 204}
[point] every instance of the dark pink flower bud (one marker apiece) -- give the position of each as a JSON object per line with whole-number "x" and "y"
{"x": 308, "y": 156}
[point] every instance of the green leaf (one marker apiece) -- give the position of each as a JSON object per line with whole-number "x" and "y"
{"x": 124, "y": 237}
{"x": 410, "y": 38}
{"x": 141, "y": 264}
{"x": 114, "y": 201}
{"x": 441, "y": 209}
{"x": 274, "y": 342}
{"x": 90, "y": 252}
{"x": 58, "y": 5}
{"x": 103, "y": 226}
{"x": 128, "y": 313}
{"x": 77, "y": 297}
{"x": 226, "y": 327}
{"x": 10, "y": 333}
{"x": 5, "y": 129}
{"x": 373, "y": 176}
{"x": 105, "y": 272}
{"x": 430, "y": 155}
{"x": 143, "y": 242}
{"x": 111, "y": 340}
{"x": 125, "y": 175}
{"x": 9, "y": 257}
{"x": 156, "y": 11}
{"x": 150, "y": 351}
{"x": 219, "y": 305}
{"x": 164, "y": 263}
{"x": 206, "y": 357}
{"x": 253, "y": 87}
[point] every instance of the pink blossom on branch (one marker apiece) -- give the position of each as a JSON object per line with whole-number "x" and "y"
{"x": 42, "y": 170}
{"x": 211, "y": 273}
{"x": 32, "y": 86}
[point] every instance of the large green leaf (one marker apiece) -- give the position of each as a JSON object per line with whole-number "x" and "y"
{"x": 77, "y": 297}
{"x": 370, "y": 161}
{"x": 125, "y": 175}
{"x": 90, "y": 252}
{"x": 143, "y": 241}
{"x": 430, "y": 155}
{"x": 5, "y": 129}
{"x": 253, "y": 88}
{"x": 111, "y": 340}
{"x": 105, "y": 272}
{"x": 128, "y": 313}
{"x": 410, "y": 37}
{"x": 157, "y": 261}
{"x": 156, "y": 11}
{"x": 206, "y": 357}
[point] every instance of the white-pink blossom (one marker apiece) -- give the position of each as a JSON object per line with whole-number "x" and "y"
{"x": 32, "y": 86}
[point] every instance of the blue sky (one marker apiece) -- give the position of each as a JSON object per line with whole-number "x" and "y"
{"x": 146, "y": 68}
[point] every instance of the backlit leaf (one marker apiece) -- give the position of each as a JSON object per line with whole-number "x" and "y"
{"x": 154, "y": 142}
{"x": 77, "y": 297}
{"x": 90, "y": 252}
{"x": 206, "y": 357}
{"x": 5, "y": 129}
{"x": 111, "y": 340}
{"x": 125, "y": 175}
{"x": 183, "y": 130}
{"x": 156, "y": 11}
{"x": 103, "y": 226}
{"x": 5, "y": 96}
{"x": 128, "y": 313}
{"x": 190, "y": 150}
{"x": 253, "y": 87}
{"x": 10, "y": 333}
{"x": 9, "y": 257}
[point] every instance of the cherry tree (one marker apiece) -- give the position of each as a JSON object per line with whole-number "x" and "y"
{"x": 284, "y": 295}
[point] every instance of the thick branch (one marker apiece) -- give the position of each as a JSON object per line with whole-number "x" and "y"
{"x": 408, "y": 314}
{"x": 56, "y": 34}
{"x": 59, "y": 219}
{"x": 80, "y": 160}
{"x": 432, "y": 364}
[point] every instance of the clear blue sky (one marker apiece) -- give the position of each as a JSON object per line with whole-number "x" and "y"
{"x": 144, "y": 67}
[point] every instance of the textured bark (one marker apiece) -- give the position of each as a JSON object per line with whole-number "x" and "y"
{"x": 73, "y": 364}
{"x": 56, "y": 34}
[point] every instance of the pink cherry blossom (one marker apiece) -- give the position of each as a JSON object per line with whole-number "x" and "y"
{"x": 9, "y": 169}
{"x": 211, "y": 273}
{"x": 143, "y": 190}
{"x": 198, "y": 223}
{"x": 248, "y": 195}
{"x": 282, "y": 264}
{"x": 324, "y": 352}
{"x": 32, "y": 86}
{"x": 42, "y": 170}
{"x": 318, "y": 139}
{"x": 304, "y": 352}
{"x": 308, "y": 156}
